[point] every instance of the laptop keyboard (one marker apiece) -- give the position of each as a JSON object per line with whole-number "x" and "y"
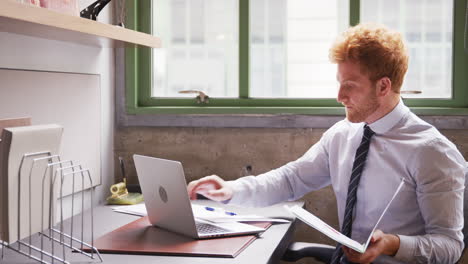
{"x": 204, "y": 228}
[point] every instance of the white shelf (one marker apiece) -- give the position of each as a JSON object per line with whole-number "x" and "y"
{"x": 40, "y": 22}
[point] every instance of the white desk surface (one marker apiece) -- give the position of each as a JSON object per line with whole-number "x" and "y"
{"x": 267, "y": 249}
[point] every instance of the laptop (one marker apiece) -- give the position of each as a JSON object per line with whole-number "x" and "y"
{"x": 168, "y": 205}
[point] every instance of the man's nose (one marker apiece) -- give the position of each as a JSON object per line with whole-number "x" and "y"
{"x": 341, "y": 96}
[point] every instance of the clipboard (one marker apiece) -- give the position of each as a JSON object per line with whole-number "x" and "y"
{"x": 141, "y": 238}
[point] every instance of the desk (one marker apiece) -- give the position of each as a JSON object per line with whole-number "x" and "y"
{"x": 267, "y": 249}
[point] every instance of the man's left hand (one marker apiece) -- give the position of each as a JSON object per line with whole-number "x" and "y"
{"x": 381, "y": 244}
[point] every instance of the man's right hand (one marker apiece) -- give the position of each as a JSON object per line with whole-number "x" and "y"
{"x": 212, "y": 187}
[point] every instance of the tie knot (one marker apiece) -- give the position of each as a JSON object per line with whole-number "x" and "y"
{"x": 368, "y": 131}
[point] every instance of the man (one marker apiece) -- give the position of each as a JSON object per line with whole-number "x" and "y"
{"x": 365, "y": 163}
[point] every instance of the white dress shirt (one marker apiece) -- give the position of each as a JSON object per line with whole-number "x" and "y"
{"x": 427, "y": 214}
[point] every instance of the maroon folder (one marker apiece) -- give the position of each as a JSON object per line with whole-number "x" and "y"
{"x": 140, "y": 237}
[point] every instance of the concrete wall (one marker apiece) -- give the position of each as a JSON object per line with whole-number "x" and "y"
{"x": 227, "y": 151}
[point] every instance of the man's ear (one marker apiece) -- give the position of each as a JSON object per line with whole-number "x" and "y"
{"x": 384, "y": 86}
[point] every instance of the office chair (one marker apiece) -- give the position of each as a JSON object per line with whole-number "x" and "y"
{"x": 323, "y": 253}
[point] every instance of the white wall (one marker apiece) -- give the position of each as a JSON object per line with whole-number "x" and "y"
{"x": 24, "y": 52}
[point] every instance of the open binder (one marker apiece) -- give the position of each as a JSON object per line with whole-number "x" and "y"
{"x": 334, "y": 234}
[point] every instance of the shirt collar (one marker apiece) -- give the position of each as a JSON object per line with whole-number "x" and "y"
{"x": 388, "y": 121}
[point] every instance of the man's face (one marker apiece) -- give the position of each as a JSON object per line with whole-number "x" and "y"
{"x": 356, "y": 93}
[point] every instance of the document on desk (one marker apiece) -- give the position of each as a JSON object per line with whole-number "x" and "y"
{"x": 208, "y": 213}
{"x": 334, "y": 234}
{"x": 220, "y": 215}
{"x": 136, "y": 209}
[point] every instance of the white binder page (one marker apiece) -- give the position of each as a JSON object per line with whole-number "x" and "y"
{"x": 332, "y": 233}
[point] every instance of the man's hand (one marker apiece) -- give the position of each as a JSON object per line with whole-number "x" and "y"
{"x": 213, "y": 187}
{"x": 381, "y": 244}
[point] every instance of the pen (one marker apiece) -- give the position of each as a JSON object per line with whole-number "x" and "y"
{"x": 213, "y": 209}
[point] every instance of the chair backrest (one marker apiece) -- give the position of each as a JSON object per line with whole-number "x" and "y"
{"x": 465, "y": 210}
{"x": 465, "y": 218}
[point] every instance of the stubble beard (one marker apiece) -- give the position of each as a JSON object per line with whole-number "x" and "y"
{"x": 360, "y": 113}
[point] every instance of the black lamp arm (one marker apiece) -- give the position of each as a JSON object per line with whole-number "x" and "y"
{"x": 92, "y": 11}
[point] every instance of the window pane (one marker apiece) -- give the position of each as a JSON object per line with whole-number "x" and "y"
{"x": 200, "y": 47}
{"x": 289, "y": 42}
{"x": 427, "y": 28}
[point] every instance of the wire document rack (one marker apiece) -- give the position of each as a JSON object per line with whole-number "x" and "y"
{"x": 49, "y": 239}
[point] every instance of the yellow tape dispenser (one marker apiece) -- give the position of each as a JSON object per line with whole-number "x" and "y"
{"x": 120, "y": 194}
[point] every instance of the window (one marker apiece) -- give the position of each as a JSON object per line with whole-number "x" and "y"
{"x": 427, "y": 29}
{"x": 289, "y": 53}
{"x": 200, "y": 47}
{"x": 271, "y": 56}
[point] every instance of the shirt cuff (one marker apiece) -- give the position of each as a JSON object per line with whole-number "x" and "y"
{"x": 406, "y": 251}
{"x": 235, "y": 193}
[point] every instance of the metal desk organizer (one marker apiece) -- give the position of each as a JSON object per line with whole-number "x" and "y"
{"x": 53, "y": 235}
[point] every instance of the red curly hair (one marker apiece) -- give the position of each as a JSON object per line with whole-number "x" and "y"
{"x": 379, "y": 51}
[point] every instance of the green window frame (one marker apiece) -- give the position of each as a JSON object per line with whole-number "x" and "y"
{"x": 138, "y": 72}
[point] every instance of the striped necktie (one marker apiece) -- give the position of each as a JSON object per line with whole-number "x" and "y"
{"x": 358, "y": 167}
